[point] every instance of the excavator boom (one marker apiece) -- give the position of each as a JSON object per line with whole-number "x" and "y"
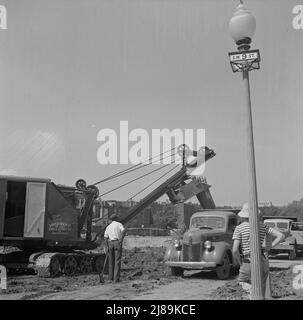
{"x": 176, "y": 189}
{"x": 178, "y": 177}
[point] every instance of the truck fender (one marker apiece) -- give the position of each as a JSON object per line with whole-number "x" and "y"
{"x": 217, "y": 253}
{"x": 172, "y": 254}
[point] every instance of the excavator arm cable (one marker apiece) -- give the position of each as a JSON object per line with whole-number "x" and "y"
{"x": 137, "y": 166}
{"x": 134, "y": 169}
{"x": 133, "y": 180}
{"x": 149, "y": 185}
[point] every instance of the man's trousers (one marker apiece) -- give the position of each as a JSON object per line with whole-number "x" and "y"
{"x": 114, "y": 259}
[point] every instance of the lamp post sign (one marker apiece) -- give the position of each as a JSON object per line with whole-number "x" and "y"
{"x": 242, "y": 27}
{"x": 245, "y": 56}
{"x": 249, "y": 60}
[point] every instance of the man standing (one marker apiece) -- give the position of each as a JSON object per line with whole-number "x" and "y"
{"x": 241, "y": 239}
{"x": 114, "y": 235}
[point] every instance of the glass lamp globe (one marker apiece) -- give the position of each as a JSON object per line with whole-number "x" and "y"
{"x": 242, "y": 25}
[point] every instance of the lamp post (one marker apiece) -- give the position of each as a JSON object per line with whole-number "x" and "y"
{"x": 242, "y": 28}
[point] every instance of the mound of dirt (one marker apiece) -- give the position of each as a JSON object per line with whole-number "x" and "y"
{"x": 281, "y": 283}
{"x": 144, "y": 263}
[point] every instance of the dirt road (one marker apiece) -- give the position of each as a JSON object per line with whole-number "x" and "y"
{"x": 144, "y": 276}
{"x": 195, "y": 285}
{"x": 196, "y": 288}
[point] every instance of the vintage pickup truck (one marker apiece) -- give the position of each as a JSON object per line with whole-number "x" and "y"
{"x": 292, "y": 230}
{"x": 206, "y": 245}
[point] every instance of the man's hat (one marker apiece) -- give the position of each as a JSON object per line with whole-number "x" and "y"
{"x": 113, "y": 217}
{"x": 244, "y": 213}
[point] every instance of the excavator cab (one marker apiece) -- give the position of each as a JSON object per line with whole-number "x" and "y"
{"x": 37, "y": 210}
{"x": 22, "y": 208}
{"x": 44, "y": 221}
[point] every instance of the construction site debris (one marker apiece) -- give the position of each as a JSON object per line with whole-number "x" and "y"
{"x": 281, "y": 282}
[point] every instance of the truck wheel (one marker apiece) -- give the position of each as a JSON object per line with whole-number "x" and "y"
{"x": 235, "y": 270}
{"x": 223, "y": 271}
{"x": 292, "y": 255}
{"x": 176, "y": 271}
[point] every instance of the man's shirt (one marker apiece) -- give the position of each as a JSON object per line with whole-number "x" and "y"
{"x": 242, "y": 233}
{"x": 114, "y": 231}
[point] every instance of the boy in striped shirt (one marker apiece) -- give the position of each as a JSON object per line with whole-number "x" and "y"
{"x": 241, "y": 239}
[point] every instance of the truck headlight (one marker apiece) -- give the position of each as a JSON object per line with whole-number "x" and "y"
{"x": 207, "y": 245}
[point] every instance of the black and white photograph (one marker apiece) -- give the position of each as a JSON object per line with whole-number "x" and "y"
{"x": 150, "y": 153}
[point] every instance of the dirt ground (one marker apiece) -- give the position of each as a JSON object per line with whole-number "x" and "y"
{"x": 281, "y": 287}
{"x": 142, "y": 269}
{"x": 145, "y": 276}
{"x": 281, "y": 276}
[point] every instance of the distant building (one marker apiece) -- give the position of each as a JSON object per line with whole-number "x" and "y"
{"x": 103, "y": 209}
{"x": 263, "y": 204}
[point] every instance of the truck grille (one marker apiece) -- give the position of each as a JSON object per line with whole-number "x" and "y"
{"x": 196, "y": 252}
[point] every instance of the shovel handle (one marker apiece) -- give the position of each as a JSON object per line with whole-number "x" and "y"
{"x": 105, "y": 261}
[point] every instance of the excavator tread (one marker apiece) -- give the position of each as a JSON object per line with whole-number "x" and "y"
{"x": 43, "y": 264}
{"x": 53, "y": 264}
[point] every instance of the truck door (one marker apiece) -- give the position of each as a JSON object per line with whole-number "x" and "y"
{"x": 34, "y": 210}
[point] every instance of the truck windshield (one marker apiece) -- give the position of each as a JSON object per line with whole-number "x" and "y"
{"x": 282, "y": 225}
{"x": 270, "y": 224}
{"x": 208, "y": 222}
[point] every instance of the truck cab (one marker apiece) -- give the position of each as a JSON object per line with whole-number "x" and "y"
{"x": 283, "y": 225}
{"x": 207, "y": 244}
{"x": 289, "y": 245}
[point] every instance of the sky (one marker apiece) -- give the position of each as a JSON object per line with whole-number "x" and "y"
{"x": 69, "y": 68}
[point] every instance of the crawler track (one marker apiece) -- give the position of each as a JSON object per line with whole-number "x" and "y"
{"x": 68, "y": 264}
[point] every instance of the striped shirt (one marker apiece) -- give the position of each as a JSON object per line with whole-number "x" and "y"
{"x": 242, "y": 233}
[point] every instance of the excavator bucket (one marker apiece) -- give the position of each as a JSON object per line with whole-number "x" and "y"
{"x": 206, "y": 200}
